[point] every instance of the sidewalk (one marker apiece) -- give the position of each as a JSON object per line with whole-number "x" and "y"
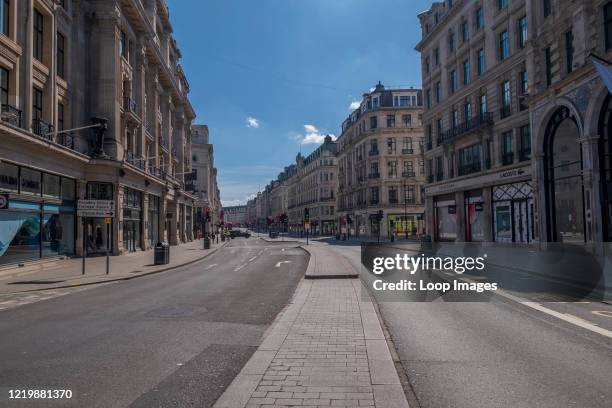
{"x": 325, "y": 349}
{"x": 68, "y": 272}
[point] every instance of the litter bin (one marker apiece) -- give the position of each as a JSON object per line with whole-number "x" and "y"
{"x": 161, "y": 254}
{"x": 206, "y": 242}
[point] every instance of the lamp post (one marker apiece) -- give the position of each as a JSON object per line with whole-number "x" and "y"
{"x": 405, "y": 223}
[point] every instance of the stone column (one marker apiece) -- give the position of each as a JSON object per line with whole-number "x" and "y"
{"x": 146, "y": 222}
{"x": 542, "y": 204}
{"x": 594, "y": 222}
{"x": 460, "y": 206}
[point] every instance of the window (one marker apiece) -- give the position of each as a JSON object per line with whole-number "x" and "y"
{"x": 482, "y": 102}
{"x": 373, "y": 122}
{"x": 479, "y": 19}
{"x": 547, "y": 6}
{"x": 60, "y": 116}
{"x": 524, "y": 82}
{"x": 409, "y": 197}
{"x": 408, "y": 168}
{"x": 60, "y": 55}
{"x": 525, "y": 143}
{"x": 392, "y": 169}
{"x": 522, "y": 40}
{"x": 438, "y": 92}
{"x": 391, "y": 145}
{"x": 407, "y": 144}
{"x": 428, "y": 98}
{"x": 465, "y": 32}
{"x": 453, "y": 81}
{"x": 466, "y": 72}
{"x": 451, "y": 42}
{"x": 455, "y": 118}
{"x": 504, "y": 46}
{"x": 37, "y": 104}
{"x": 507, "y": 150}
{"x": 469, "y": 160}
{"x": 439, "y": 168}
{"x": 437, "y": 56}
{"x": 123, "y": 44}
{"x": 38, "y": 36}
{"x": 407, "y": 120}
{"x": 501, "y": 4}
{"x": 467, "y": 111}
{"x": 4, "y": 17}
{"x": 374, "y": 195}
{"x": 390, "y": 121}
{"x": 569, "y": 52}
{"x": 506, "y": 99}
{"x": 4, "y": 86}
{"x": 482, "y": 61}
{"x": 608, "y": 25}
{"x": 548, "y": 63}
{"x": 393, "y": 195}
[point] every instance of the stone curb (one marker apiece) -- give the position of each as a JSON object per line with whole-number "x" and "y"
{"x": 387, "y": 389}
{"x": 124, "y": 278}
{"x": 310, "y": 273}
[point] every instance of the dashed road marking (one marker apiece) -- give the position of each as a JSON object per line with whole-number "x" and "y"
{"x": 278, "y": 264}
{"x": 210, "y": 267}
{"x": 604, "y": 313}
{"x": 252, "y": 259}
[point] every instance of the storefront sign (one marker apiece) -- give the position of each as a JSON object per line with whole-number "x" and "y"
{"x": 4, "y": 201}
{"x": 505, "y": 176}
{"x": 96, "y": 208}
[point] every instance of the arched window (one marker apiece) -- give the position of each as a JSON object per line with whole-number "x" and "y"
{"x": 565, "y": 211}
{"x": 605, "y": 161}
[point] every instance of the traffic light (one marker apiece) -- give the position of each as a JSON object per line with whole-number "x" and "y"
{"x": 307, "y": 214}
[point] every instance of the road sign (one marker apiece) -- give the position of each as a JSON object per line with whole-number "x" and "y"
{"x": 4, "y": 201}
{"x": 108, "y": 220}
{"x": 96, "y": 208}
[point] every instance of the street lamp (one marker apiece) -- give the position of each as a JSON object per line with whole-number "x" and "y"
{"x": 405, "y": 223}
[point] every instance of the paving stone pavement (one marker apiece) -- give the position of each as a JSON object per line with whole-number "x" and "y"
{"x": 325, "y": 349}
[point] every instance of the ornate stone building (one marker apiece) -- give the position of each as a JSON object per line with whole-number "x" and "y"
{"x": 204, "y": 180}
{"x": 64, "y": 63}
{"x": 476, "y": 80}
{"x": 380, "y": 165}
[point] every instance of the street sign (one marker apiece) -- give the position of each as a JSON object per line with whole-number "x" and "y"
{"x": 96, "y": 208}
{"x": 108, "y": 220}
{"x": 4, "y": 201}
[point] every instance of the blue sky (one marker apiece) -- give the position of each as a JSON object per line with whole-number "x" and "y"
{"x": 271, "y": 76}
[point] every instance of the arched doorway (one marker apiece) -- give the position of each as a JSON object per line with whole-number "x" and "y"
{"x": 564, "y": 182}
{"x": 605, "y": 162}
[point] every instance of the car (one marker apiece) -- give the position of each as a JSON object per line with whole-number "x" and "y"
{"x": 239, "y": 233}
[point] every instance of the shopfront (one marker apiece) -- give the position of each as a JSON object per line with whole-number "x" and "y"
{"x": 404, "y": 225}
{"x": 445, "y": 218}
{"x": 513, "y": 212}
{"x": 474, "y": 216}
{"x": 132, "y": 219}
{"x": 37, "y": 218}
{"x": 95, "y": 229}
{"x": 189, "y": 222}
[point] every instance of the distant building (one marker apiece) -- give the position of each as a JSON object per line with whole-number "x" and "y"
{"x": 204, "y": 180}
{"x": 236, "y": 215}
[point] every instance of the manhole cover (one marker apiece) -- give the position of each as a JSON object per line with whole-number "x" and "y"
{"x": 176, "y": 311}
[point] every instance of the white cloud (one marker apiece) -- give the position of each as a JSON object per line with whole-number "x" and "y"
{"x": 312, "y": 136}
{"x": 355, "y": 105}
{"x": 252, "y": 122}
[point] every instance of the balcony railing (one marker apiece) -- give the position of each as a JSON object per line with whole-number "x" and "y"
{"x": 393, "y": 201}
{"x": 374, "y": 176}
{"x": 407, "y": 151}
{"x": 439, "y": 176}
{"x": 408, "y": 174}
{"x": 135, "y": 161}
{"x": 469, "y": 168}
{"x": 163, "y": 142}
{"x": 149, "y": 129}
{"x": 430, "y": 178}
{"x": 129, "y": 105}
{"x": 65, "y": 140}
{"x": 155, "y": 171}
{"x": 11, "y": 115}
{"x": 42, "y": 128}
{"x": 507, "y": 158}
{"x": 475, "y": 123}
{"x": 373, "y": 153}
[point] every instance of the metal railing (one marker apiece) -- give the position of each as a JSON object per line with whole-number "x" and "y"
{"x": 469, "y": 168}
{"x": 42, "y": 128}
{"x": 408, "y": 174}
{"x": 505, "y": 111}
{"x": 11, "y": 115}
{"x": 135, "y": 161}
{"x": 65, "y": 140}
{"x": 374, "y": 176}
{"x": 373, "y": 153}
{"x": 407, "y": 151}
{"x": 475, "y": 123}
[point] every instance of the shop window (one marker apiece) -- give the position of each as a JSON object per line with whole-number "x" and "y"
{"x": 9, "y": 177}
{"x": 30, "y": 181}
{"x": 51, "y": 185}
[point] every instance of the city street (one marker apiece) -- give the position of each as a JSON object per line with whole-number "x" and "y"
{"x": 499, "y": 353}
{"x": 172, "y": 339}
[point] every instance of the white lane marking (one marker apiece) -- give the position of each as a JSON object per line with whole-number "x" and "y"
{"x": 261, "y": 252}
{"x": 210, "y": 267}
{"x": 239, "y": 267}
{"x": 283, "y": 250}
{"x": 252, "y": 259}
{"x": 562, "y": 316}
{"x": 604, "y": 313}
{"x": 278, "y": 264}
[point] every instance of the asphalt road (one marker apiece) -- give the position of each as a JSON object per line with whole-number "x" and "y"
{"x": 499, "y": 353}
{"x": 175, "y": 339}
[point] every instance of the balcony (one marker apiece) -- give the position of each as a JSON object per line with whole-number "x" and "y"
{"x": 155, "y": 171}
{"x": 507, "y": 158}
{"x": 469, "y": 168}
{"x": 373, "y": 153}
{"x": 478, "y": 122}
{"x": 149, "y": 131}
{"x": 374, "y": 176}
{"x": 134, "y": 161}
{"x": 163, "y": 143}
{"x": 408, "y": 174}
{"x": 65, "y": 140}
{"x": 42, "y": 129}
{"x": 11, "y": 115}
{"x": 393, "y": 201}
{"x": 129, "y": 108}
{"x": 505, "y": 112}
{"x": 407, "y": 151}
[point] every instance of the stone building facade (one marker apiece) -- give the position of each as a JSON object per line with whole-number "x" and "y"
{"x": 314, "y": 185}
{"x": 380, "y": 165}
{"x": 476, "y": 82}
{"x": 62, "y": 64}
{"x": 235, "y": 215}
{"x": 204, "y": 179}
